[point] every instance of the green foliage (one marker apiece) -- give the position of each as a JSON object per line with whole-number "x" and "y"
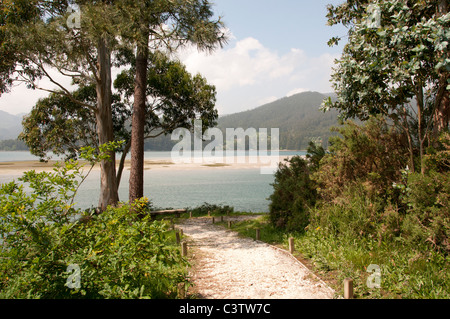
{"x": 294, "y": 194}
{"x": 122, "y": 256}
{"x": 314, "y": 155}
{"x": 370, "y": 155}
{"x": 371, "y": 209}
{"x": 428, "y": 216}
{"x": 365, "y": 192}
{"x": 12, "y": 14}
{"x": 407, "y": 271}
{"x": 355, "y": 215}
{"x": 383, "y": 67}
{"x": 177, "y": 97}
{"x": 214, "y": 209}
{"x": 438, "y": 158}
{"x": 119, "y": 255}
{"x": 59, "y": 125}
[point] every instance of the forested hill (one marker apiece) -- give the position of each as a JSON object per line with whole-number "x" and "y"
{"x": 298, "y": 117}
{"x": 10, "y": 125}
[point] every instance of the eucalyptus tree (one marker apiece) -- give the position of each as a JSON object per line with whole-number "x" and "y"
{"x": 161, "y": 25}
{"x": 397, "y": 52}
{"x": 80, "y": 51}
{"x": 175, "y": 99}
{"x": 85, "y": 52}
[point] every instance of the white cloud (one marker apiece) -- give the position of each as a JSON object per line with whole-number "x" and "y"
{"x": 296, "y": 91}
{"x": 247, "y": 63}
{"x": 247, "y": 74}
{"x": 267, "y": 100}
{"x": 21, "y": 99}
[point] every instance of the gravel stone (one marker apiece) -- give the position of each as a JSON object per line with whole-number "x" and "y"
{"x": 227, "y": 266}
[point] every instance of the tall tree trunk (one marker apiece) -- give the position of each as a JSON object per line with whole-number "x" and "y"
{"x": 442, "y": 107}
{"x": 122, "y": 163}
{"x": 420, "y": 105}
{"x": 108, "y": 187}
{"x": 405, "y": 126}
{"x": 136, "y": 187}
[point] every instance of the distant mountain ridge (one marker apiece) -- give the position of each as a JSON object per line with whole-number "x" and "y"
{"x": 298, "y": 117}
{"x": 10, "y": 125}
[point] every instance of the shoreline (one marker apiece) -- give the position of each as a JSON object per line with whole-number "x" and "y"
{"x": 159, "y": 164}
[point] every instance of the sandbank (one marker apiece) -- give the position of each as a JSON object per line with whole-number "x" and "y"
{"x": 239, "y": 162}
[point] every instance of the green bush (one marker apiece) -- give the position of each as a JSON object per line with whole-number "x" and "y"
{"x": 353, "y": 215}
{"x": 214, "y": 209}
{"x": 371, "y": 155}
{"x": 428, "y": 215}
{"x": 294, "y": 194}
{"x": 118, "y": 254}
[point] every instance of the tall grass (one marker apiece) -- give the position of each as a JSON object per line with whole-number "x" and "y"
{"x": 406, "y": 272}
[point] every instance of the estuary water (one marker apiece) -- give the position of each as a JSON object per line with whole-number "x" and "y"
{"x": 244, "y": 189}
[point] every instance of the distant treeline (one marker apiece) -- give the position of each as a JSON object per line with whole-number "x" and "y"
{"x": 298, "y": 118}
{"x": 13, "y": 145}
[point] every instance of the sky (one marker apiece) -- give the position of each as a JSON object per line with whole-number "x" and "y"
{"x": 276, "y": 48}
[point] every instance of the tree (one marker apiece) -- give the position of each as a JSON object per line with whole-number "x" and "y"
{"x": 12, "y": 14}
{"x": 82, "y": 53}
{"x": 85, "y": 53}
{"x": 175, "y": 98}
{"x": 166, "y": 25}
{"x": 59, "y": 125}
{"x": 386, "y": 66}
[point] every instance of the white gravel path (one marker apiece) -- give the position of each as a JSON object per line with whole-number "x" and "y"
{"x": 227, "y": 266}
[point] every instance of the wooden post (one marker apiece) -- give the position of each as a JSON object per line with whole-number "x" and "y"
{"x": 209, "y": 213}
{"x": 291, "y": 245}
{"x": 213, "y": 220}
{"x": 221, "y": 218}
{"x": 230, "y": 223}
{"x": 184, "y": 249}
{"x": 190, "y": 214}
{"x": 348, "y": 288}
{"x": 258, "y": 234}
{"x": 177, "y": 235}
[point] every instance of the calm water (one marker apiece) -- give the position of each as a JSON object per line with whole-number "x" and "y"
{"x": 244, "y": 189}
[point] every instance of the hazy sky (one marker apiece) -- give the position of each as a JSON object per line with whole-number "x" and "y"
{"x": 277, "y": 48}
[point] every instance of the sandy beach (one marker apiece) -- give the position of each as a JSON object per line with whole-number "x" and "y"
{"x": 239, "y": 162}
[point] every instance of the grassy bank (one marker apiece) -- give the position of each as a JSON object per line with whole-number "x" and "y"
{"x": 406, "y": 272}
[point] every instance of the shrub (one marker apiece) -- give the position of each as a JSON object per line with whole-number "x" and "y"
{"x": 118, "y": 254}
{"x": 428, "y": 215}
{"x": 121, "y": 256}
{"x": 371, "y": 155}
{"x": 294, "y": 194}
{"x": 212, "y": 208}
{"x": 353, "y": 215}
